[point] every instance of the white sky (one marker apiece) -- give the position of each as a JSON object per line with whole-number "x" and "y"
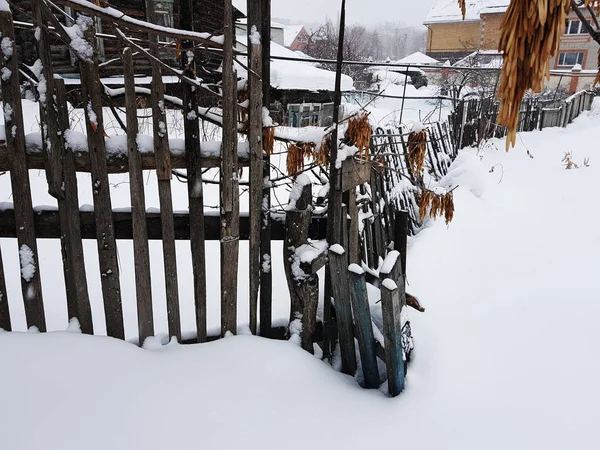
{"x": 365, "y": 12}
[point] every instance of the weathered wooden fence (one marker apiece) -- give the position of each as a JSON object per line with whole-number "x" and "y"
{"x": 62, "y": 153}
{"x": 475, "y": 120}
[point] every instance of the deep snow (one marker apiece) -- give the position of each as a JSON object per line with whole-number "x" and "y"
{"x": 505, "y": 358}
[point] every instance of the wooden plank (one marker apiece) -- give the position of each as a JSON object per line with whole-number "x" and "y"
{"x": 47, "y": 226}
{"x": 229, "y": 184}
{"x": 363, "y": 326}
{"x": 196, "y": 208}
{"x": 256, "y": 154}
{"x": 78, "y": 301}
{"x": 266, "y": 277}
{"x": 4, "y": 309}
{"x": 338, "y": 266}
{"x": 392, "y": 333}
{"x": 354, "y": 173}
{"x": 115, "y": 163}
{"x": 107, "y": 248}
{"x": 52, "y": 139}
{"x": 353, "y": 237}
{"x": 402, "y": 220}
{"x": 163, "y": 174}
{"x": 141, "y": 252}
{"x": 21, "y": 190}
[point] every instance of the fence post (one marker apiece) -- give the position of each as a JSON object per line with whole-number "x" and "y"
{"x": 364, "y": 326}
{"x": 392, "y": 333}
{"x": 141, "y": 252}
{"x": 338, "y": 267}
{"x": 229, "y": 191}
{"x": 15, "y": 145}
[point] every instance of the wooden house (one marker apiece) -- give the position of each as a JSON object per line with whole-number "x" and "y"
{"x": 208, "y": 16}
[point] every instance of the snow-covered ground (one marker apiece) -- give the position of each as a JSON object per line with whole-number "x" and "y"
{"x": 506, "y": 353}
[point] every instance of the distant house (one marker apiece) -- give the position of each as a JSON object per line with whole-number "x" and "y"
{"x": 296, "y": 37}
{"x": 451, "y": 38}
{"x": 277, "y": 30}
{"x": 301, "y": 93}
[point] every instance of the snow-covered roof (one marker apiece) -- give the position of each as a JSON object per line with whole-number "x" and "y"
{"x": 240, "y": 5}
{"x": 295, "y": 75}
{"x": 488, "y": 59}
{"x": 449, "y": 11}
{"x": 290, "y": 32}
{"x": 418, "y": 58}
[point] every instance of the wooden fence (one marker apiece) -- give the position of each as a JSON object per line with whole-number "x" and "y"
{"x": 475, "y": 120}
{"x": 63, "y": 153}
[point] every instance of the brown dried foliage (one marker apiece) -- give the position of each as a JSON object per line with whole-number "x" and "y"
{"x": 295, "y": 159}
{"x": 437, "y": 205}
{"x": 530, "y": 34}
{"x": 359, "y": 133}
{"x": 463, "y": 7}
{"x": 417, "y": 150}
{"x": 268, "y": 139}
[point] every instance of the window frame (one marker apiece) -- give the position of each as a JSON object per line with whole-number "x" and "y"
{"x": 563, "y": 55}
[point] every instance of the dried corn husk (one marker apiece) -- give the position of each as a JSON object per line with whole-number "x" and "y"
{"x": 359, "y": 134}
{"x": 268, "y": 139}
{"x": 530, "y": 34}
{"x": 463, "y": 8}
{"x": 417, "y": 150}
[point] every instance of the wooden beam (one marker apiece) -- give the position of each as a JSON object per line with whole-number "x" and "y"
{"x": 47, "y": 226}
{"x": 4, "y": 310}
{"x": 115, "y": 163}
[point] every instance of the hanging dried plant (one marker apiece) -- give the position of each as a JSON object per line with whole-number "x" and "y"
{"x": 268, "y": 139}
{"x": 463, "y": 7}
{"x": 359, "y": 134}
{"x": 593, "y": 4}
{"x": 295, "y": 159}
{"x": 322, "y": 152}
{"x": 417, "y": 150}
{"x": 530, "y": 34}
{"x": 436, "y": 205}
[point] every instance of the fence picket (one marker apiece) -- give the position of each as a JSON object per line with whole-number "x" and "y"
{"x": 141, "y": 252}
{"x": 21, "y": 190}
{"x": 105, "y": 236}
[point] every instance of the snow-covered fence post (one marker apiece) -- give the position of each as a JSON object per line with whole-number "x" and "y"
{"x": 4, "y": 310}
{"x": 393, "y": 299}
{"x": 91, "y": 94}
{"x": 390, "y": 304}
{"x": 164, "y": 175}
{"x": 363, "y": 326}
{"x": 19, "y": 175}
{"x": 141, "y": 252}
{"x": 255, "y": 114}
{"x": 304, "y": 287}
{"x": 229, "y": 183}
{"x": 338, "y": 267}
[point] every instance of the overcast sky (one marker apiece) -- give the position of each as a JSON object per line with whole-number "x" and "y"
{"x": 366, "y": 12}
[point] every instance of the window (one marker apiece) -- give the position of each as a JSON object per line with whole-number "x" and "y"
{"x": 574, "y": 27}
{"x": 163, "y": 13}
{"x": 570, "y": 58}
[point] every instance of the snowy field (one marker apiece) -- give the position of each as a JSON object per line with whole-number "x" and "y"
{"x": 505, "y": 354}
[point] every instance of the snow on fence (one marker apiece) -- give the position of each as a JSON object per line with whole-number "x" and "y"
{"x": 475, "y": 120}
{"x": 369, "y": 224}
